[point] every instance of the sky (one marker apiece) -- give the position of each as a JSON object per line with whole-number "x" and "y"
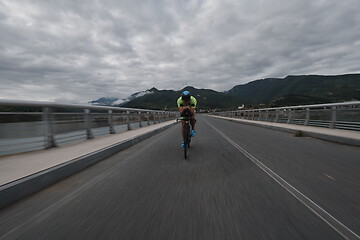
{"x": 77, "y": 51}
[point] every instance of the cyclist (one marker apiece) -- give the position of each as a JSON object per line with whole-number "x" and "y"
{"x": 186, "y": 101}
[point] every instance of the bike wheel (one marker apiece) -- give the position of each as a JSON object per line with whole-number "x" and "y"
{"x": 186, "y": 143}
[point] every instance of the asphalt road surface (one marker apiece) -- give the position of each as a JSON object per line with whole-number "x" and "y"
{"x": 239, "y": 182}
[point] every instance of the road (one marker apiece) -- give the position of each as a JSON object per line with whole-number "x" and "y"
{"x": 237, "y": 183}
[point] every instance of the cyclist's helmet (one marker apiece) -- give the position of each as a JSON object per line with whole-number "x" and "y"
{"x": 186, "y": 96}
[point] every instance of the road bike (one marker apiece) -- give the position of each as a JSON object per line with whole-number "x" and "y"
{"x": 186, "y": 133}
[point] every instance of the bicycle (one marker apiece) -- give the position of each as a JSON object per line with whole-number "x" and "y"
{"x": 186, "y": 133}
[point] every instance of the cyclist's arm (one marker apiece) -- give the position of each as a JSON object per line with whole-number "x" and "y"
{"x": 179, "y": 102}
{"x": 193, "y": 104}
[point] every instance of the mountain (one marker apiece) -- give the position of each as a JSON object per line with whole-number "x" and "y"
{"x": 303, "y": 89}
{"x": 166, "y": 99}
{"x": 104, "y": 101}
{"x": 275, "y": 92}
{"x": 112, "y": 101}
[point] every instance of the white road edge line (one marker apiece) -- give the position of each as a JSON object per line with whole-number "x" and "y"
{"x": 320, "y": 212}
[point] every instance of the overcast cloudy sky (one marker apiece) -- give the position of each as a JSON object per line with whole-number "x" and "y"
{"x": 77, "y": 51}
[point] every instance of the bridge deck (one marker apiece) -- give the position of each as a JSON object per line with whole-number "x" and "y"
{"x": 220, "y": 192}
{"x": 333, "y": 135}
{"x": 18, "y": 166}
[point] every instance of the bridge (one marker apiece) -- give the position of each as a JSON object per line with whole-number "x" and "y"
{"x": 249, "y": 175}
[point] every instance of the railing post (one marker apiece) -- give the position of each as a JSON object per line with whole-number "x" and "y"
{"x": 267, "y": 115}
{"x": 253, "y": 115}
{"x": 140, "y": 125}
{"x": 307, "y": 117}
{"x": 89, "y": 134}
{"x": 259, "y": 117}
{"x": 333, "y": 117}
{"x": 154, "y": 117}
{"x": 148, "y": 118}
{"x": 289, "y": 118}
{"x": 48, "y": 120}
{"x": 276, "y": 115}
{"x": 111, "y": 123}
{"x": 128, "y": 120}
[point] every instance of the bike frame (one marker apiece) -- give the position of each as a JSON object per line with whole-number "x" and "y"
{"x": 187, "y": 137}
{"x": 186, "y": 132}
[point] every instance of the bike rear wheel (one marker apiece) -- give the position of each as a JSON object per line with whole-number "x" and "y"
{"x": 186, "y": 139}
{"x": 186, "y": 143}
{"x": 189, "y": 139}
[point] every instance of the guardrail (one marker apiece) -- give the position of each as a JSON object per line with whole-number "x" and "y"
{"x": 332, "y": 115}
{"x": 33, "y": 125}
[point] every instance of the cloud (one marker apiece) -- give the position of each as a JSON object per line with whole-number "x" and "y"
{"x": 79, "y": 52}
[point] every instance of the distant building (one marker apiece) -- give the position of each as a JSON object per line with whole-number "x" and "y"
{"x": 241, "y": 107}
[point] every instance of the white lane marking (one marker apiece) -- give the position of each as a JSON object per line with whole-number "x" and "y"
{"x": 50, "y": 210}
{"x": 320, "y": 212}
{"x": 328, "y": 176}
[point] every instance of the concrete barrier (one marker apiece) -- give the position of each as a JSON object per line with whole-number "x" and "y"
{"x": 21, "y": 188}
{"x": 321, "y": 133}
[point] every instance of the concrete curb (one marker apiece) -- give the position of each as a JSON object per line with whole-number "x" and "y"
{"x": 322, "y": 136}
{"x": 24, "y": 187}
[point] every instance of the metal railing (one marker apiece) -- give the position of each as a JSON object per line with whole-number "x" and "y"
{"x": 32, "y": 125}
{"x": 332, "y": 115}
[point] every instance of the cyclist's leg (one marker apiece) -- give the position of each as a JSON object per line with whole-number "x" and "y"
{"x": 192, "y": 123}
{"x": 183, "y": 125}
{"x": 182, "y": 128}
{"x": 192, "y": 118}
